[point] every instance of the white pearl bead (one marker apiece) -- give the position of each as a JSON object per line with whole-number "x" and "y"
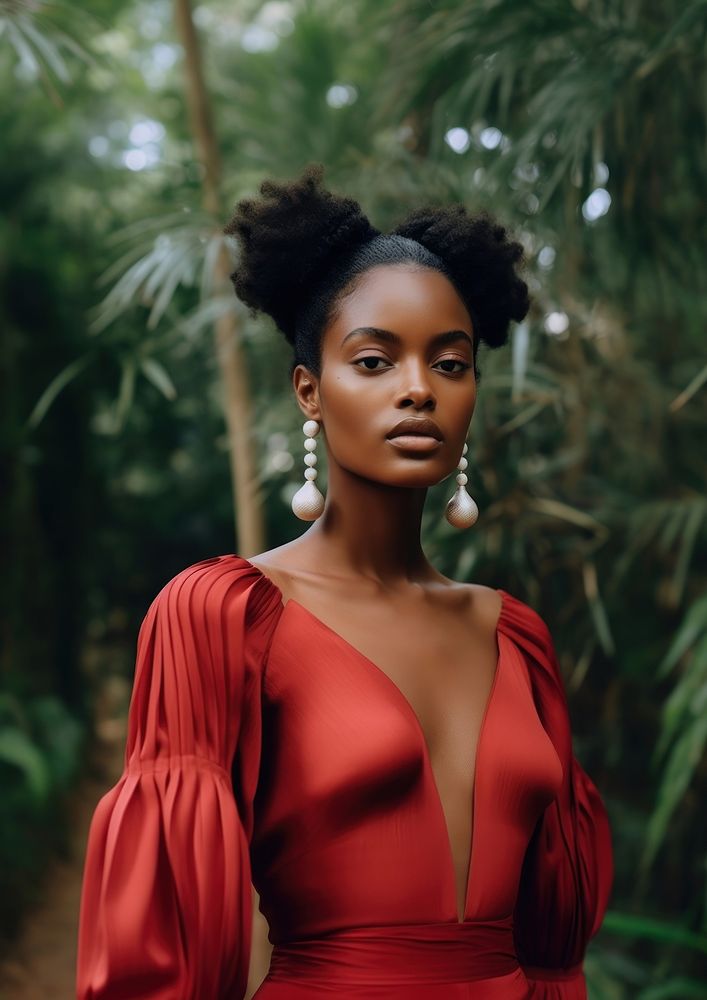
{"x": 461, "y": 510}
{"x": 308, "y": 502}
{"x": 465, "y": 449}
{"x": 310, "y": 474}
{"x": 310, "y": 444}
{"x": 310, "y": 458}
{"x": 462, "y": 479}
{"x": 462, "y": 464}
{"x": 310, "y": 428}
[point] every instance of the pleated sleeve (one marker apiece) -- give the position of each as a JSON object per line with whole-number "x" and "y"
{"x": 165, "y": 909}
{"x": 568, "y": 868}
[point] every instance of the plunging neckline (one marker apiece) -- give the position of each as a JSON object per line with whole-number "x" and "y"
{"x": 402, "y": 698}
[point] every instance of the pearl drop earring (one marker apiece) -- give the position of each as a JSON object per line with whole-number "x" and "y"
{"x": 308, "y": 502}
{"x": 461, "y": 511}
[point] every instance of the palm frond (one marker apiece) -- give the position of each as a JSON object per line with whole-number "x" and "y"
{"x": 39, "y": 44}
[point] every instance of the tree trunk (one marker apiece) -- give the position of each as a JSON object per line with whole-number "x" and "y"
{"x": 248, "y": 508}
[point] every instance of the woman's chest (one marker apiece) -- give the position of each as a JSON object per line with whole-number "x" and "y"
{"x": 441, "y": 660}
{"x": 430, "y": 693}
{"x": 347, "y": 773}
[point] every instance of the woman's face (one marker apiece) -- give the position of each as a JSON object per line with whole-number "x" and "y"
{"x": 418, "y": 365}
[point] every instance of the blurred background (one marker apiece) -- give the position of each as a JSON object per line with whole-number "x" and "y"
{"x": 147, "y": 421}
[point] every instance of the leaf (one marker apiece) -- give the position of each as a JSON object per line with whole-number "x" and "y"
{"x": 693, "y": 625}
{"x": 125, "y": 393}
{"x": 18, "y": 750}
{"x": 555, "y": 508}
{"x": 634, "y": 926}
{"x": 689, "y": 391}
{"x": 686, "y": 754}
{"x": 170, "y": 260}
{"x": 203, "y": 315}
{"x": 685, "y": 699}
{"x": 23, "y": 49}
{"x": 49, "y": 50}
{"x": 674, "y": 988}
{"x": 60, "y": 737}
{"x": 179, "y": 270}
{"x": 598, "y": 609}
{"x": 155, "y": 373}
{"x": 211, "y": 257}
{"x": 693, "y": 523}
{"x": 56, "y": 385}
{"x": 520, "y": 348}
{"x": 11, "y": 709}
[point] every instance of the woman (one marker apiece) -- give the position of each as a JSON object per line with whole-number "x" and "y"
{"x": 385, "y": 752}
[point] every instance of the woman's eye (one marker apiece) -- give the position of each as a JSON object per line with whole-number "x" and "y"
{"x": 454, "y": 361}
{"x": 370, "y": 357}
{"x": 374, "y": 358}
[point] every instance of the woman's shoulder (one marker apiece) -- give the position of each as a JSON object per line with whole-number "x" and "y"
{"x": 216, "y": 585}
{"x": 229, "y": 566}
{"x": 503, "y": 609}
{"x": 530, "y": 633}
{"x": 523, "y": 619}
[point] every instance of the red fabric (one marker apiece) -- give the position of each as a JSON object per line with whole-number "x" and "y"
{"x": 263, "y": 746}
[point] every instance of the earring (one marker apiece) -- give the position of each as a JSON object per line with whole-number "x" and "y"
{"x": 308, "y": 502}
{"x": 461, "y": 511}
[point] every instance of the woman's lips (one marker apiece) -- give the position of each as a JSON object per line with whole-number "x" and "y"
{"x": 415, "y": 442}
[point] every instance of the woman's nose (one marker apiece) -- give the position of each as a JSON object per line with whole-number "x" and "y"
{"x": 415, "y": 384}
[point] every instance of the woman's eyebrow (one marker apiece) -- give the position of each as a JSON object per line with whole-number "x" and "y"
{"x": 446, "y": 337}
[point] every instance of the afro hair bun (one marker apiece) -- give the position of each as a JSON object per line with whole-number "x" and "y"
{"x": 288, "y": 239}
{"x": 481, "y": 260}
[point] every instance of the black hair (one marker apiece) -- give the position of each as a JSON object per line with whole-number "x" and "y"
{"x": 302, "y": 249}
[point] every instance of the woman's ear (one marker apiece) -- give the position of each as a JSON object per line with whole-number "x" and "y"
{"x": 306, "y": 388}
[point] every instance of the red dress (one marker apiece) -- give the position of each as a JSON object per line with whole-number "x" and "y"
{"x": 263, "y": 746}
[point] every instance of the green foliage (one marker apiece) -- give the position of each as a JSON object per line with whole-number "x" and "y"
{"x": 42, "y": 50}
{"x": 40, "y": 742}
{"x": 683, "y": 736}
{"x": 40, "y": 756}
{"x": 587, "y": 454}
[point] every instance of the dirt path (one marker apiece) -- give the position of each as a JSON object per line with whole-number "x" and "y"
{"x": 43, "y": 966}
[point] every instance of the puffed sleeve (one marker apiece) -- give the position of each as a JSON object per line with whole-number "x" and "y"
{"x": 568, "y": 868}
{"x": 165, "y": 909}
